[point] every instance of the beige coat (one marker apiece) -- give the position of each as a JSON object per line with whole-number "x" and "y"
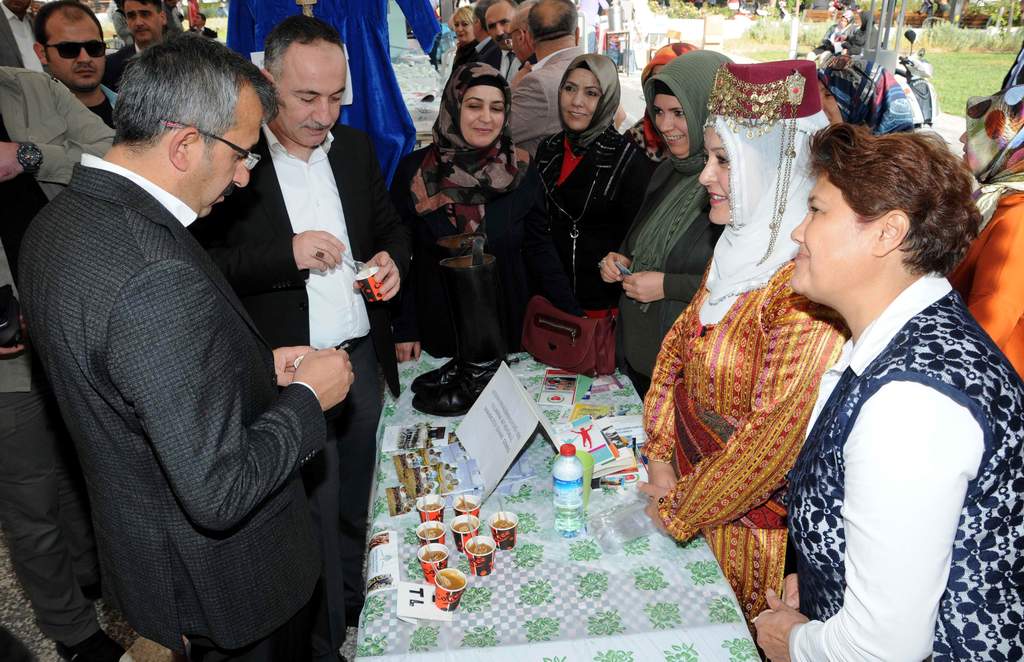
{"x": 38, "y": 109}
{"x": 535, "y": 101}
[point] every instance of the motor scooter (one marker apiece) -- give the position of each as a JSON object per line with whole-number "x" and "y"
{"x": 914, "y": 75}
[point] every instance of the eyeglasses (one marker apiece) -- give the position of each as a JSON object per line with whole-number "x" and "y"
{"x": 69, "y": 50}
{"x": 249, "y": 160}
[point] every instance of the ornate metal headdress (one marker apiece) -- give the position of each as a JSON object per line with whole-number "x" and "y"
{"x": 753, "y": 99}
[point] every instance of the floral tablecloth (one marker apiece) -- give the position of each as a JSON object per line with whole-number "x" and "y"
{"x": 552, "y": 599}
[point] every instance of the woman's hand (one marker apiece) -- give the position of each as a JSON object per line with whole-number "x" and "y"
{"x": 662, "y": 474}
{"x": 609, "y": 272}
{"x": 791, "y": 590}
{"x": 774, "y": 626}
{"x": 407, "y": 351}
{"x": 645, "y": 287}
{"x": 656, "y": 493}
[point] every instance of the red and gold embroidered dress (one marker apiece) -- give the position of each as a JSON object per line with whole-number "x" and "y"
{"x": 728, "y": 405}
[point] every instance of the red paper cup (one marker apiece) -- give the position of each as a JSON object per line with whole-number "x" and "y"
{"x": 449, "y": 586}
{"x": 480, "y": 552}
{"x": 430, "y": 508}
{"x": 467, "y": 504}
{"x": 368, "y": 284}
{"x": 433, "y": 558}
{"x": 430, "y": 532}
{"x": 503, "y": 528}
{"x": 464, "y": 527}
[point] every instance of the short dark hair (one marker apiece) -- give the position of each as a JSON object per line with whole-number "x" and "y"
{"x": 66, "y": 7}
{"x": 190, "y": 79}
{"x": 201, "y": 15}
{"x": 915, "y": 173}
{"x": 552, "y": 19}
{"x": 300, "y": 29}
{"x": 480, "y": 11}
{"x": 159, "y": 4}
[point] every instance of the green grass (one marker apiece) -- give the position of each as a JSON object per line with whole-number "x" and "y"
{"x": 959, "y": 76}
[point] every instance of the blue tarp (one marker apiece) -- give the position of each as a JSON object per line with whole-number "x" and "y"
{"x": 377, "y": 105}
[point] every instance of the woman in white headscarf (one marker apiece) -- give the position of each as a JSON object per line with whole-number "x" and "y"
{"x": 738, "y": 373}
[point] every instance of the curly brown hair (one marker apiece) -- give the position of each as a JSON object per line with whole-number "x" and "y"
{"x": 913, "y": 172}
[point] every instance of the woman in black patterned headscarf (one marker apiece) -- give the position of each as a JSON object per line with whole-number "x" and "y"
{"x": 473, "y": 179}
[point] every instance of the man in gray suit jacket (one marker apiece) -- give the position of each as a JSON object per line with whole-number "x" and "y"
{"x": 16, "y": 36}
{"x": 534, "y": 110}
{"x": 190, "y": 429}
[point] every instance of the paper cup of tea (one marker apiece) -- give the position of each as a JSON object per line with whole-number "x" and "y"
{"x": 433, "y": 558}
{"x": 480, "y": 552}
{"x": 503, "y": 528}
{"x": 368, "y": 284}
{"x": 430, "y": 532}
{"x": 467, "y": 504}
{"x": 464, "y": 527}
{"x": 430, "y": 508}
{"x": 449, "y": 586}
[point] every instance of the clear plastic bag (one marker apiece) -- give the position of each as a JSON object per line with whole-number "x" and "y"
{"x": 617, "y": 526}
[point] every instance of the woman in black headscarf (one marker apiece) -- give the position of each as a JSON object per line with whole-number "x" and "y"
{"x": 471, "y": 181}
{"x": 594, "y": 179}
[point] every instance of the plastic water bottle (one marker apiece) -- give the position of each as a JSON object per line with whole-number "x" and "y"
{"x": 568, "y": 478}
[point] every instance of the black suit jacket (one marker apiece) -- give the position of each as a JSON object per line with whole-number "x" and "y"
{"x": 189, "y": 451}
{"x": 490, "y": 54}
{"x": 115, "y": 66}
{"x": 249, "y": 236}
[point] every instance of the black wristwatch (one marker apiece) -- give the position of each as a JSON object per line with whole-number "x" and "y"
{"x": 30, "y": 157}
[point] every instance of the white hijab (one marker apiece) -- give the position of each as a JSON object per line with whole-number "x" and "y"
{"x": 740, "y": 263}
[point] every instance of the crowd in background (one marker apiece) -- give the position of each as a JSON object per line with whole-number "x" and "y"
{"x": 821, "y": 308}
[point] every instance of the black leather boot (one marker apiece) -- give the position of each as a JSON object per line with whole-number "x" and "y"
{"x": 473, "y": 291}
{"x": 452, "y": 246}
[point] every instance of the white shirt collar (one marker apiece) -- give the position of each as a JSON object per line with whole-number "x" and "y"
{"x": 11, "y": 16}
{"x": 275, "y": 147}
{"x": 171, "y": 203}
{"x": 922, "y": 293}
{"x": 541, "y": 62}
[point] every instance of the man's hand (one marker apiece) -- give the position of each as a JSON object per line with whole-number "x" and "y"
{"x": 11, "y": 352}
{"x": 645, "y": 287}
{"x": 609, "y": 272}
{"x": 387, "y": 275}
{"x": 284, "y": 362}
{"x": 329, "y": 373}
{"x": 407, "y": 351}
{"x": 9, "y": 166}
{"x": 316, "y": 249}
{"x": 774, "y": 626}
{"x": 656, "y": 493}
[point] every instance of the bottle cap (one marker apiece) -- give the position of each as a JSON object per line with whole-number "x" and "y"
{"x": 567, "y": 450}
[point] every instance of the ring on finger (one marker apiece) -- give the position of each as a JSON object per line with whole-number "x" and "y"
{"x": 319, "y": 255}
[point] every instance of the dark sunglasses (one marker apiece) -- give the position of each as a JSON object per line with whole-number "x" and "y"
{"x": 69, "y": 50}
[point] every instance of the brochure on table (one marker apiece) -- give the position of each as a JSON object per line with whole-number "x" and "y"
{"x": 498, "y": 425}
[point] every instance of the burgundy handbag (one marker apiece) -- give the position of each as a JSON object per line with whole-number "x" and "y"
{"x": 579, "y": 344}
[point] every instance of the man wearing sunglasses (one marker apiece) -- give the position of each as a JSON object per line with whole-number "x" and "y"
{"x": 69, "y": 43}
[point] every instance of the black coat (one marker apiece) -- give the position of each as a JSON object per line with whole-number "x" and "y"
{"x": 249, "y": 236}
{"x": 490, "y": 54}
{"x": 189, "y": 451}
{"x": 517, "y": 235}
{"x": 116, "y": 65}
{"x": 599, "y": 201}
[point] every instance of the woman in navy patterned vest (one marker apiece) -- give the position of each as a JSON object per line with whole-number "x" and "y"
{"x": 906, "y": 504}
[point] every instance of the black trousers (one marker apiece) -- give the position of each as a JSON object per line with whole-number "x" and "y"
{"x": 338, "y": 483}
{"x": 290, "y": 642}
{"x": 45, "y": 515}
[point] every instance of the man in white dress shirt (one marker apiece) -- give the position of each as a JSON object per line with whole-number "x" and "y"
{"x": 289, "y": 244}
{"x": 17, "y": 37}
{"x": 499, "y": 17}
